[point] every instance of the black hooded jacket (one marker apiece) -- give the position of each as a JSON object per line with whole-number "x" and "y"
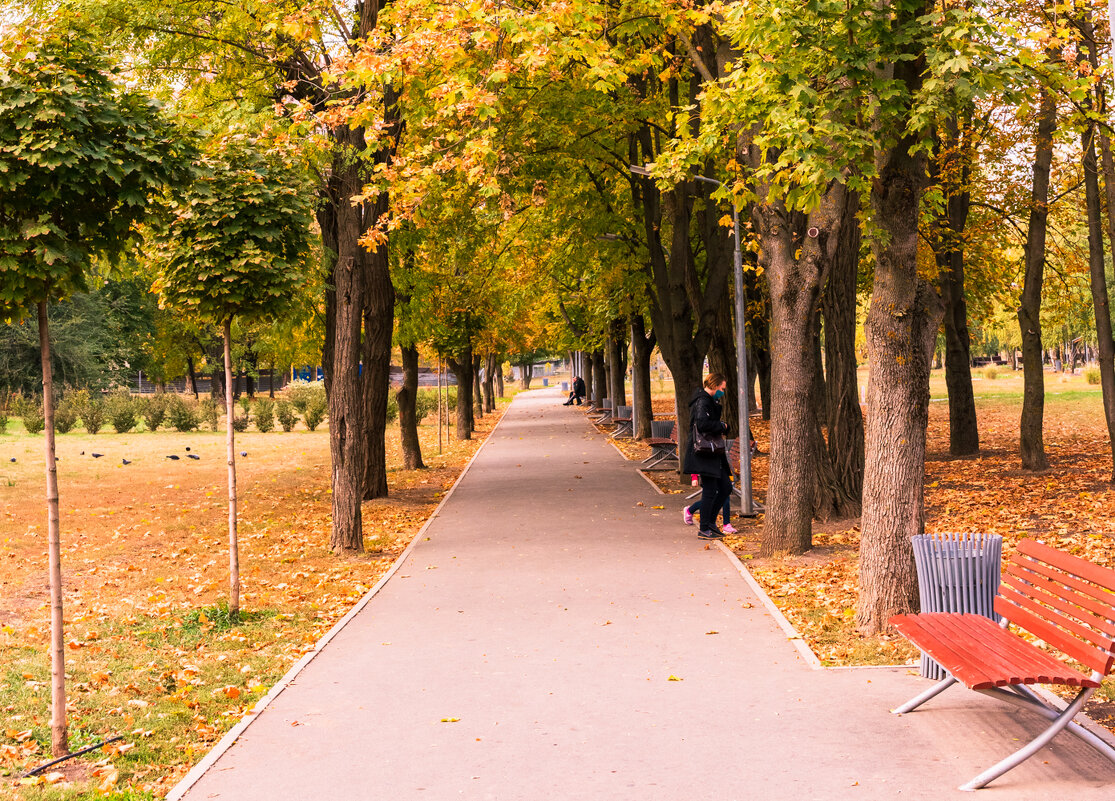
{"x": 704, "y": 415}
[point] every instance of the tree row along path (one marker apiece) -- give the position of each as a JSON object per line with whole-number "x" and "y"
{"x": 556, "y": 633}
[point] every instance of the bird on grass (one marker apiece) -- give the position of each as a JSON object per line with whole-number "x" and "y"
{"x": 125, "y": 461}
{"x": 173, "y": 457}
{"x": 96, "y": 455}
{"x": 187, "y": 447}
{"x": 12, "y": 459}
{"x": 243, "y": 453}
{"x": 192, "y": 456}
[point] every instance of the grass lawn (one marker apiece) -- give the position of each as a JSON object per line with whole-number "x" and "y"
{"x": 150, "y": 652}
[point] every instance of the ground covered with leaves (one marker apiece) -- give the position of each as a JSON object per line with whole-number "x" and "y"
{"x": 151, "y": 654}
{"x": 1070, "y": 506}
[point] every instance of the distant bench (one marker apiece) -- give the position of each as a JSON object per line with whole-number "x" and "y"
{"x": 1064, "y": 600}
{"x": 663, "y": 442}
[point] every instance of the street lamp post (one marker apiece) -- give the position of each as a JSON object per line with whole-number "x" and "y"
{"x": 750, "y": 508}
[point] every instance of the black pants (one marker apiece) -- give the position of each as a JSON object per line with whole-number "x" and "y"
{"x": 714, "y": 491}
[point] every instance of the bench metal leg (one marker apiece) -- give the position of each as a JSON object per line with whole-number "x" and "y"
{"x": 1060, "y": 721}
{"x": 1021, "y": 695}
{"x": 932, "y": 692}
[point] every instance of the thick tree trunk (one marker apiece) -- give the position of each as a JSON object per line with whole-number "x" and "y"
{"x": 489, "y": 382}
{"x": 408, "y": 418}
{"x": 477, "y": 390}
{"x": 640, "y": 376}
{"x": 191, "y": 376}
{"x": 845, "y": 432}
{"x": 617, "y": 343}
{"x": 599, "y": 376}
{"x": 901, "y": 331}
{"x": 379, "y": 324}
{"x": 348, "y": 438}
{"x": 1105, "y": 345}
{"x": 59, "y": 730}
{"x": 499, "y": 377}
{"x": 462, "y": 369}
{"x": 230, "y": 443}
{"x": 1031, "y": 442}
{"x": 953, "y": 171}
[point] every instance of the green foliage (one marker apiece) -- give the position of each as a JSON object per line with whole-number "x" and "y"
{"x": 392, "y": 407}
{"x": 245, "y": 404}
{"x": 265, "y": 415}
{"x": 122, "y": 411}
{"x": 65, "y": 415}
{"x": 31, "y": 413}
{"x": 4, "y": 409}
{"x": 302, "y": 393}
{"x": 79, "y": 157}
{"x": 286, "y": 414}
{"x": 425, "y": 403}
{"x": 240, "y": 423}
{"x": 236, "y": 238}
{"x": 90, "y": 408}
{"x": 315, "y": 412}
{"x": 1092, "y": 375}
{"x": 154, "y": 409}
{"x": 210, "y": 413}
{"x": 182, "y": 414}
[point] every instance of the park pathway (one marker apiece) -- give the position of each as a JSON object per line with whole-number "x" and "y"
{"x": 554, "y": 635}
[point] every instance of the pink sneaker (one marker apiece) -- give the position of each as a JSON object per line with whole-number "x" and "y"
{"x": 728, "y": 529}
{"x": 687, "y": 516}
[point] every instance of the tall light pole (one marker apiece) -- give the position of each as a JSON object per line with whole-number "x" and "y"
{"x": 750, "y": 508}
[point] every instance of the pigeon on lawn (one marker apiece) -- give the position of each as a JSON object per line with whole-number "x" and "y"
{"x": 187, "y": 447}
{"x": 12, "y": 459}
{"x": 243, "y": 453}
{"x": 173, "y": 457}
{"x": 192, "y": 456}
{"x": 96, "y": 455}
{"x": 125, "y": 461}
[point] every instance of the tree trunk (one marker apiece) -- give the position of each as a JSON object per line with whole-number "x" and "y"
{"x": 408, "y": 418}
{"x": 845, "y": 432}
{"x": 953, "y": 171}
{"x": 617, "y": 342}
{"x": 722, "y": 359}
{"x": 599, "y": 376}
{"x": 462, "y": 369}
{"x": 489, "y": 382}
{"x": 499, "y": 377}
{"x": 477, "y": 390}
{"x": 758, "y": 343}
{"x": 230, "y": 439}
{"x": 379, "y": 324}
{"x": 191, "y": 375}
{"x": 348, "y": 441}
{"x": 644, "y": 347}
{"x": 271, "y": 380}
{"x": 1105, "y": 345}
{"x": 1031, "y": 442}
{"x": 59, "y": 731}
{"x": 901, "y": 332}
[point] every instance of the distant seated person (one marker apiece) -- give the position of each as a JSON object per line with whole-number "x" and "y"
{"x": 577, "y": 394}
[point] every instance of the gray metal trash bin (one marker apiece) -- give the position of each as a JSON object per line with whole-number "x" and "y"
{"x": 564, "y": 386}
{"x": 957, "y": 573}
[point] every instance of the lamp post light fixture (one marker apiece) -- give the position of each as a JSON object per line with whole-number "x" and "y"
{"x": 750, "y": 507}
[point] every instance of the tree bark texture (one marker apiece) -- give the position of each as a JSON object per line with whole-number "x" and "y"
{"x": 953, "y": 173}
{"x": 599, "y": 375}
{"x": 490, "y": 366}
{"x": 1031, "y": 441}
{"x": 617, "y": 344}
{"x": 462, "y": 369}
{"x": 407, "y": 397}
{"x": 722, "y": 359}
{"x": 477, "y": 390}
{"x": 901, "y": 332}
{"x": 59, "y": 730}
{"x": 845, "y": 431}
{"x": 230, "y": 446}
{"x": 644, "y": 347}
{"x": 379, "y": 324}
{"x": 499, "y": 377}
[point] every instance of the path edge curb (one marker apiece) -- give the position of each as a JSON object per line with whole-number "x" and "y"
{"x": 186, "y": 783}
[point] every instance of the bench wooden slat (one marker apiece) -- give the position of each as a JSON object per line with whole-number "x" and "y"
{"x": 982, "y": 655}
{"x": 1043, "y": 622}
{"x": 1073, "y": 565}
{"x": 1090, "y": 611}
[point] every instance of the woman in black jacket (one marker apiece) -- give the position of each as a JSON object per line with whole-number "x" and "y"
{"x": 716, "y": 476}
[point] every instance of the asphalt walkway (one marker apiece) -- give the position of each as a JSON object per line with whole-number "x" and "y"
{"x": 553, "y": 635}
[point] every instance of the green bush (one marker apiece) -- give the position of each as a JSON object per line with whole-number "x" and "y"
{"x": 210, "y": 413}
{"x": 392, "y": 406}
{"x": 90, "y": 408}
{"x": 303, "y": 393}
{"x": 182, "y": 415}
{"x": 315, "y": 413}
{"x": 240, "y": 423}
{"x": 1092, "y": 375}
{"x": 287, "y": 416}
{"x": 65, "y": 415}
{"x": 265, "y": 415}
{"x": 426, "y": 402}
{"x": 122, "y": 411}
{"x": 245, "y": 404}
{"x": 991, "y": 373}
{"x": 31, "y": 413}
{"x": 153, "y": 410}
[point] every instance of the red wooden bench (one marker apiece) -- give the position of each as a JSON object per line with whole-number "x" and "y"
{"x": 662, "y": 448}
{"x": 1067, "y": 602}
{"x": 624, "y": 422}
